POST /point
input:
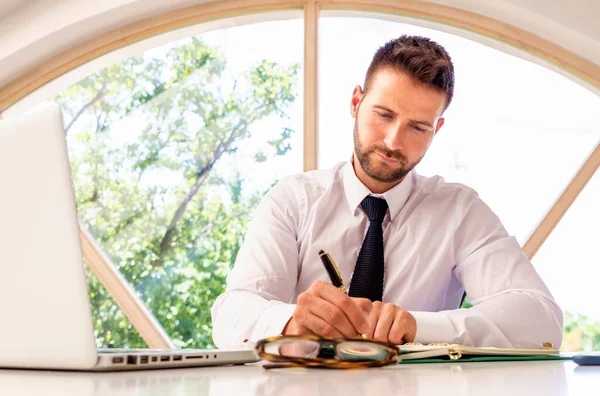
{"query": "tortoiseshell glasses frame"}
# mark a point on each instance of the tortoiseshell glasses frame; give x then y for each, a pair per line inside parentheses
(336, 361)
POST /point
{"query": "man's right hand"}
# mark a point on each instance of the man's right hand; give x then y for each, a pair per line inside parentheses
(326, 311)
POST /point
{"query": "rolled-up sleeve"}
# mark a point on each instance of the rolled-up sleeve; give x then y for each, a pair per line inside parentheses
(512, 307)
(261, 286)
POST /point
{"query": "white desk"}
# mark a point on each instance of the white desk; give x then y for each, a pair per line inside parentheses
(494, 378)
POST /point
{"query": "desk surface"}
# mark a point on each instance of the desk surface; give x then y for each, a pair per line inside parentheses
(493, 378)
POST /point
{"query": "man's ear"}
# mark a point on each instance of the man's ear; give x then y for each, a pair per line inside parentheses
(357, 96)
(440, 122)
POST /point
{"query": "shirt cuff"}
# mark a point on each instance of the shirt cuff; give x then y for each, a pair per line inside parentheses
(273, 320)
(433, 327)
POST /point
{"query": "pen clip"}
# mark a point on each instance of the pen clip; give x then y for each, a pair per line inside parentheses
(334, 265)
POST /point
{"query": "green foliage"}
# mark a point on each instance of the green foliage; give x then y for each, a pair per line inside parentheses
(466, 303)
(146, 137)
(112, 328)
(580, 333)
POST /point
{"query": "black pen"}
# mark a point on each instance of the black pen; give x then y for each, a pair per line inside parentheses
(332, 270)
(335, 275)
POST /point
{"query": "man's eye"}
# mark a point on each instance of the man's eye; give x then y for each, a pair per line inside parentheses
(384, 115)
(419, 129)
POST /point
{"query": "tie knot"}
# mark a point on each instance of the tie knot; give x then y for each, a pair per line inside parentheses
(375, 208)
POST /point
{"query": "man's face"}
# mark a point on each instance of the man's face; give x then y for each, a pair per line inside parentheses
(394, 125)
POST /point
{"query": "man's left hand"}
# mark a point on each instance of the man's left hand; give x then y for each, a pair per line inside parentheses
(390, 323)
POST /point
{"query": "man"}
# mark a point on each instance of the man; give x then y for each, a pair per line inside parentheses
(407, 246)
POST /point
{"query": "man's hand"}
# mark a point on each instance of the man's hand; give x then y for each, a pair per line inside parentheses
(326, 311)
(390, 323)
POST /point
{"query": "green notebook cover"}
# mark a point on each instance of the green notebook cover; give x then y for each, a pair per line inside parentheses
(479, 358)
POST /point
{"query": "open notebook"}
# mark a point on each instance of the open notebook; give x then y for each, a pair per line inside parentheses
(416, 353)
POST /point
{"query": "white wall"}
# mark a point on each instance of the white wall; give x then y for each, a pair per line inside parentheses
(38, 29)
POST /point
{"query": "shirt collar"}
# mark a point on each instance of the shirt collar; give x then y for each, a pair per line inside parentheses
(356, 191)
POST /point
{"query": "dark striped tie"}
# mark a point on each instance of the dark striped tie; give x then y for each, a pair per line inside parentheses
(367, 280)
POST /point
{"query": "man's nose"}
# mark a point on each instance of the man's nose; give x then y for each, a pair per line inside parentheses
(394, 138)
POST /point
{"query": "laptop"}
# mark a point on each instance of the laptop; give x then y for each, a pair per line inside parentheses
(45, 315)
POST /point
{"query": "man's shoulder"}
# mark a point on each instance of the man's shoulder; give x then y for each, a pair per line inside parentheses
(446, 200)
(436, 186)
(298, 193)
(315, 181)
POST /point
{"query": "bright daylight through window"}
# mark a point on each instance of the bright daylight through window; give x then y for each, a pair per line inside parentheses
(516, 132)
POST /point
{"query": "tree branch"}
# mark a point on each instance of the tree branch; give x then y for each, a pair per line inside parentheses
(165, 243)
(99, 95)
(156, 136)
(95, 194)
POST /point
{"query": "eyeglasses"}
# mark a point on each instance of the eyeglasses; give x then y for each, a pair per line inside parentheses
(317, 352)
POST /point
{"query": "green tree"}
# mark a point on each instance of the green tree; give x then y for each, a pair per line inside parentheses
(466, 303)
(580, 333)
(146, 138)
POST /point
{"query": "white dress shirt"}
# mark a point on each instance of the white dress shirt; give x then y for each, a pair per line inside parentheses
(438, 236)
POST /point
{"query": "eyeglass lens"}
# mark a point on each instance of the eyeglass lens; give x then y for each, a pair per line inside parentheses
(346, 350)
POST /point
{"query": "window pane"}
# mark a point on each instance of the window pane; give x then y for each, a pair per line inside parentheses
(569, 262)
(515, 131)
(171, 151)
(111, 326)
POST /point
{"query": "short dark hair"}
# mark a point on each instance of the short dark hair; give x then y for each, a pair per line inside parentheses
(424, 60)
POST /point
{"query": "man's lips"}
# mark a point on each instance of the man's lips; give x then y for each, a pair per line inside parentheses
(387, 159)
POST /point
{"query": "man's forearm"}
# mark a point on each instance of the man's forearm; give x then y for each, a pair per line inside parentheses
(241, 318)
(516, 319)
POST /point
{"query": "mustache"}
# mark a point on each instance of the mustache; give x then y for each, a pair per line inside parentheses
(395, 154)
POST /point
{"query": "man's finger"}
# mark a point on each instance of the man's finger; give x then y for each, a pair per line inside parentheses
(321, 327)
(350, 309)
(293, 327)
(384, 324)
(373, 318)
(332, 315)
(364, 304)
(398, 329)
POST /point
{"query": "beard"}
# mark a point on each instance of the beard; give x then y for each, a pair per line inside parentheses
(384, 173)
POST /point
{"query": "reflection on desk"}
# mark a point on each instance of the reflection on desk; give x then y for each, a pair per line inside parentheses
(491, 378)
(547, 378)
